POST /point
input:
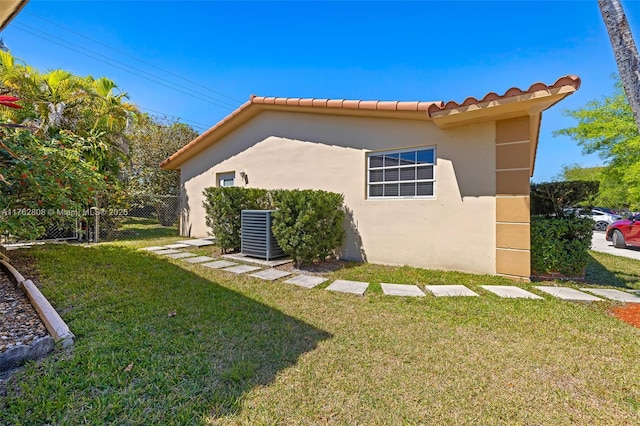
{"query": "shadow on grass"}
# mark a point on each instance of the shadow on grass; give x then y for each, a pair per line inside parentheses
(611, 275)
(194, 347)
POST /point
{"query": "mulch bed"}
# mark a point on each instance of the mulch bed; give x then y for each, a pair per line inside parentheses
(629, 313)
(19, 321)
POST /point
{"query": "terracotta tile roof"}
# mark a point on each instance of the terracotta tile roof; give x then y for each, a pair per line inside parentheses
(269, 101)
(255, 104)
(567, 80)
(346, 103)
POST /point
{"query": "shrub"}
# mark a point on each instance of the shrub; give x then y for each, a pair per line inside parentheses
(560, 244)
(308, 224)
(223, 211)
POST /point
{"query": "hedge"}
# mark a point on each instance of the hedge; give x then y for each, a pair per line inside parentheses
(223, 208)
(307, 224)
(560, 244)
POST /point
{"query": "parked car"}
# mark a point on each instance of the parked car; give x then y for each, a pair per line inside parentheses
(625, 232)
(607, 210)
(601, 219)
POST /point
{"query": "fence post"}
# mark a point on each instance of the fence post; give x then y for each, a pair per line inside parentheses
(97, 220)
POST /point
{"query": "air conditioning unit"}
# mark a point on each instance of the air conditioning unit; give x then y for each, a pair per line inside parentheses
(257, 240)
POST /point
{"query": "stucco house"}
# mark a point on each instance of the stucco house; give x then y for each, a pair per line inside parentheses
(427, 184)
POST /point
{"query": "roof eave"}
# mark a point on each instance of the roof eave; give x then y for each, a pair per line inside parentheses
(256, 105)
(502, 108)
(9, 10)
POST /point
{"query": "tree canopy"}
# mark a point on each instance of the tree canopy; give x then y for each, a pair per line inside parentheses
(73, 139)
(607, 127)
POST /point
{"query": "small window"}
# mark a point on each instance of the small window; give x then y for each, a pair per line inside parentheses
(226, 179)
(401, 174)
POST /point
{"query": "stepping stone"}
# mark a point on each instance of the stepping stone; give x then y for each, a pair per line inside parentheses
(166, 251)
(181, 255)
(344, 286)
(449, 290)
(219, 264)
(271, 274)
(567, 293)
(401, 290)
(618, 295)
(198, 259)
(154, 248)
(177, 246)
(307, 281)
(241, 269)
(510, 292)
(197, 243)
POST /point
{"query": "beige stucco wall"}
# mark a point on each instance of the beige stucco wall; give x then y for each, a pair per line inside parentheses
(456, 230)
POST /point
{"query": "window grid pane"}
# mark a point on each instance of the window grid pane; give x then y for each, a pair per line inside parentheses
(402, 174)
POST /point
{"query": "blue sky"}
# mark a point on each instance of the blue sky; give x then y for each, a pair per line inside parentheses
(215, 54)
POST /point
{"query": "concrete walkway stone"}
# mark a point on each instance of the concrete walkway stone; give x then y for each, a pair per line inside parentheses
(568, 293)
(241, 269)
(218, 264)
(198, 259)
(510, 292)
(177, 246)
(449, 290)
(401, 290)
(166, 251)
(345, 286)
(271, 274)
(618, 295)
(306, 281)
(197, 243)
(153, 248)
(181, 255)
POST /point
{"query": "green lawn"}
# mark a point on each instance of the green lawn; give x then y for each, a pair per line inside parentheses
(244, 351)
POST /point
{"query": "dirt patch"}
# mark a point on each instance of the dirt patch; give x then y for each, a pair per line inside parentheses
(629, 313)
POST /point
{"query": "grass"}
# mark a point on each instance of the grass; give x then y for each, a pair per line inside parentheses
(244, 351)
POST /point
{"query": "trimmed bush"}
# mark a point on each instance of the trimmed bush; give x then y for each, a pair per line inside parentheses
(224, 207)
(560, 245)
(308, 224)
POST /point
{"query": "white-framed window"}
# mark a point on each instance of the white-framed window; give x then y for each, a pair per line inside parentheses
(226, 179)
(408, 173)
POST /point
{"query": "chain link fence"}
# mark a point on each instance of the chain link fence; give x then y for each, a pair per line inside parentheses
(136, 217)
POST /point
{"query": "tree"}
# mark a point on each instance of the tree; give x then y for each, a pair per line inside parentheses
(625, 52)
(153, 140)
(44, 182)
(611, 192)
(72, 152)
(607, 127)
